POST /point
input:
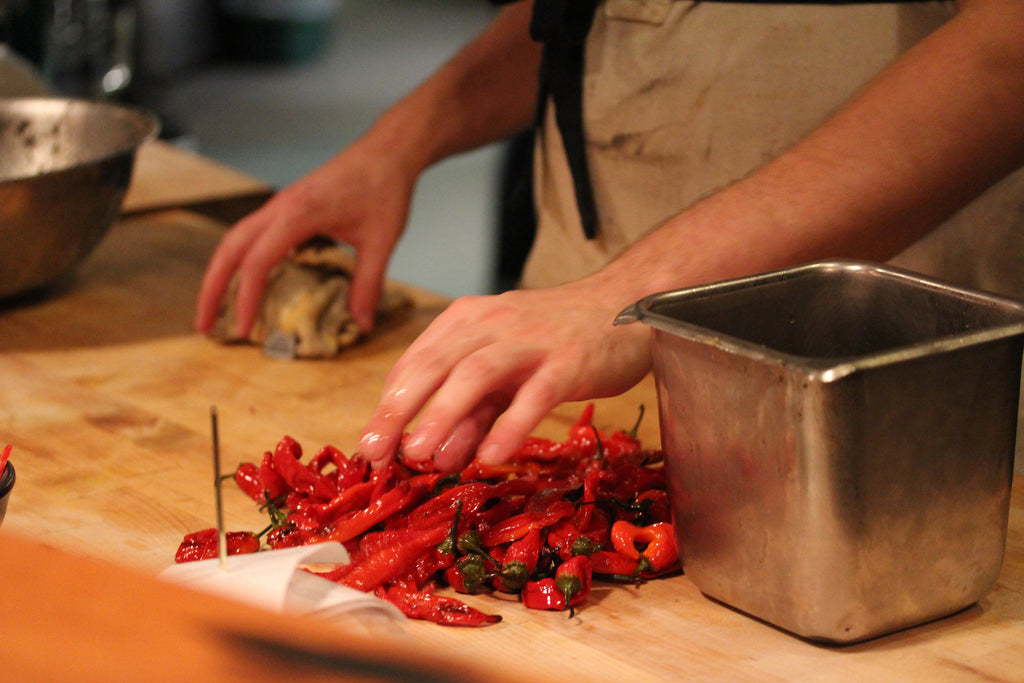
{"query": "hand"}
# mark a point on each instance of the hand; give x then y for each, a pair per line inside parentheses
(493, 367)
(359, 197)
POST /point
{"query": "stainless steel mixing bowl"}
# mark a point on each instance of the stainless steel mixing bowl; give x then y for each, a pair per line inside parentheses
(65, 165)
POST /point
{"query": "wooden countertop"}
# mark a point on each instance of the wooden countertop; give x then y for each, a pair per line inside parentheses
(166, 177)
(106, 399)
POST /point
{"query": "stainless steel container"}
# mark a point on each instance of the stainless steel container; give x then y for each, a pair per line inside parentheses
(839, 439)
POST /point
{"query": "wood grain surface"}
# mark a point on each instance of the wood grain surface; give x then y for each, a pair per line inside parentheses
(106, 398)
(166, 177)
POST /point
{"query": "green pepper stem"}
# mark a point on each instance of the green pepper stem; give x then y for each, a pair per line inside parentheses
(636, 426)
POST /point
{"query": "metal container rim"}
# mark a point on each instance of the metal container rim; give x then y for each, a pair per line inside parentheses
(815, 368)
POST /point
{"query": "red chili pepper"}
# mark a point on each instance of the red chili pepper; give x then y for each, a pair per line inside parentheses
(298, 476)
(635, 479)
(352, 472)
(468, 575)
(542, 594)
(375, 541)
(287, 536)
(583, 436)
(519, 562)
(385, 565)
(357, 496)
(442, 506)
(611, 564)
(498, 512)
(518, 526)
(573, 578)
(561, 536)
(656, 543)
(567, 492)
(623, 445)
(247, 476)
(619, 445)
(536, 448)
(272, 483)
(592, 485)
(327, 455)
(473, 496)
(439, 609)
(429, 563)
(347, 528)
(204, 545)
(654, 505)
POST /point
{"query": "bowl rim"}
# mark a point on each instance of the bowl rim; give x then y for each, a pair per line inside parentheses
(7, 478)
(148, 124)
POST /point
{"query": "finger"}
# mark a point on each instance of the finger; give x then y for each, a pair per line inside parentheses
(397, 407)
(226, 258)
(269, 249)
(531, 404)
(459, 448)
(367, 284)
(415, 377)
(493, 370)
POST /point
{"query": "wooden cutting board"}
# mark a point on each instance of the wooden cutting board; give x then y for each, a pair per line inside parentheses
(106, 396)
(109, 389)
(166, 176)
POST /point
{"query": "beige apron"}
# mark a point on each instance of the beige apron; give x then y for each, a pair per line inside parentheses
(682, 98)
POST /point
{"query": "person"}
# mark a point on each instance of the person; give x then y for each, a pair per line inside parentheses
(720, 139)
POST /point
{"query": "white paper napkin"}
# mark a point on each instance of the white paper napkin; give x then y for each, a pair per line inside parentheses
(272, 580)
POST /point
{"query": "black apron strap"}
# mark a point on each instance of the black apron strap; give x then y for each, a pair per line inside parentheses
(562, 26)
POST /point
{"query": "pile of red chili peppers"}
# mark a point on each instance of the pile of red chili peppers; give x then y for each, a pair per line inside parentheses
(543, 526)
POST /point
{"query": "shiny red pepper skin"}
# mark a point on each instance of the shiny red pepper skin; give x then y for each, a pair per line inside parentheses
(247, 477)
(347, 528)
(390, 562)
(519, 562)
(272, 483)
(468, 575)
(546, 513)
(439, 609)
(287, 536)
(656, 543)
(542, 594)
(574, 578)
(299, 477)
(610, 564)
(355, 496)
(204, 545)
(519, 525)
(654, 504)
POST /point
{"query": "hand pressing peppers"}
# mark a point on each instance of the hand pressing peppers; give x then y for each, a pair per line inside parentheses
(541, 526)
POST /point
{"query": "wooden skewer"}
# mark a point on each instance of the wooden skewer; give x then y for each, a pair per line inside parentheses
(222, 542)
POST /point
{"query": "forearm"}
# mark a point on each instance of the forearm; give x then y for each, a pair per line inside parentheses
(485, 93)
(923, 139)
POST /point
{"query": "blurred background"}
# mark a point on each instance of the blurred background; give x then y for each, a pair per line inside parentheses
(275, 87)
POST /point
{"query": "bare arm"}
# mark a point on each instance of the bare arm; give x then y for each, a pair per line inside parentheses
(361, 196)
(926, 136)
(485, 93)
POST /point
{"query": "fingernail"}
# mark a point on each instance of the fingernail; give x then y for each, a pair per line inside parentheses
(414, 445)
(489, 454)
(372, 445)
